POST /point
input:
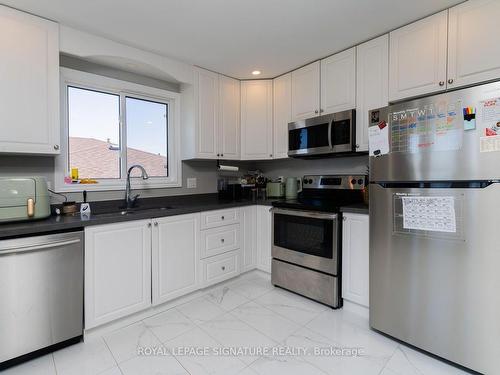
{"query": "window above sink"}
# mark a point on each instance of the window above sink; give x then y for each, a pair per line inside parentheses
(109, 125)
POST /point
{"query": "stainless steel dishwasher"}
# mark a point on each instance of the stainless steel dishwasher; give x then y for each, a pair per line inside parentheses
(41, 294)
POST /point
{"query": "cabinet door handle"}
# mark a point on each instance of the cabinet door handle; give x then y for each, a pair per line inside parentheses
(357, 146)
(156, 223)
(56, 147)
(149, 225)
(441, 83)
(223, 268)
(222, 240)
(450, 81)
(270, 155)
(321, 110)
(222, 217)
(316, 111)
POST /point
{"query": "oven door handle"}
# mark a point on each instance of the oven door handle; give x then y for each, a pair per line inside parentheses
(311, 214)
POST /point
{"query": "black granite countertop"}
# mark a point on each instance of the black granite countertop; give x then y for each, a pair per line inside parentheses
(110, 212)
(358, 208)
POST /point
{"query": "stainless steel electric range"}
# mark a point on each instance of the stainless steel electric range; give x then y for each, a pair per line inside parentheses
(306, 245)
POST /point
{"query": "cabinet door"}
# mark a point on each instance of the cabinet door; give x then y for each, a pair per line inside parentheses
(355, 259)
(256, 120)
(248, 237)
(417, 60)
(229, 116)
(264, 235)
(282, 114)
(372, 84)
(305, 91)
(117, 271)
(338, 82)
(29, 93)
(175, 256)
(473, 49)
(207, 113)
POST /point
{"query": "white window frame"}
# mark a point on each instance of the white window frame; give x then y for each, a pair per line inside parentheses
(75, 78)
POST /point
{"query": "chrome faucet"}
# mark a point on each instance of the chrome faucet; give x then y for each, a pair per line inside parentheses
(131, 201)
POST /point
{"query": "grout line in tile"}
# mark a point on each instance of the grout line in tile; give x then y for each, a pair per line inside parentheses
(53, 362)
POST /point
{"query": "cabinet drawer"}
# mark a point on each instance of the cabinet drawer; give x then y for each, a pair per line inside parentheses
(219, 240)
(218, 218)
(220, 267)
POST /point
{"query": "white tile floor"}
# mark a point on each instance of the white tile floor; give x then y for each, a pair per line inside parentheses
(244, 312)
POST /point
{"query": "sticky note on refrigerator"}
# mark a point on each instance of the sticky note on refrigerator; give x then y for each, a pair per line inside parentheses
(469, 118)
(378, 139)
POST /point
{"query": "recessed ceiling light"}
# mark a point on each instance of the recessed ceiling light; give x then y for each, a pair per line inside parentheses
(256, 72)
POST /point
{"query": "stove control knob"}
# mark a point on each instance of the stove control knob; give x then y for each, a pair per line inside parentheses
(305, 181)
(353, 181)
(310, 181)
(360, 181)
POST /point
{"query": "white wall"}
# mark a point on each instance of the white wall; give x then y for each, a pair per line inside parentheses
(300, 167)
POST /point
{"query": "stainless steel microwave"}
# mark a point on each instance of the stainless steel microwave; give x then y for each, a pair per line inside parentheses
(322, 135)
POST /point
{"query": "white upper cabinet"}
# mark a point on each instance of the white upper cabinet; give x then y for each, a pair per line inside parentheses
(211, 117)
(29, 92)
(256, 119)
(338, 82)
(175, 256)
(282, 114)
(372, 84)
(306, 91)
(207, 113)
(417, 60)
(473, 47)
(229, 118)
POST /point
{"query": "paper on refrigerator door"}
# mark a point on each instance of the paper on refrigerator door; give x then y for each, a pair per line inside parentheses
(429, 213)
(378, 139)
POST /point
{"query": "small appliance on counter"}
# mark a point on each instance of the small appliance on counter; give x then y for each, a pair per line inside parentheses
(275, 189)
(293, 187)
(23, 198)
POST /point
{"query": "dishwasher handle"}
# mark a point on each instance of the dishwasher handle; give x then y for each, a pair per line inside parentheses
(42, 246)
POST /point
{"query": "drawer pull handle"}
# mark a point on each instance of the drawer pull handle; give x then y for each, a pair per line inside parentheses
(223, 268)
(222, 240)
(222, 217)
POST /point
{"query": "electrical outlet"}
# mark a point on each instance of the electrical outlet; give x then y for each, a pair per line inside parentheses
(191, 183)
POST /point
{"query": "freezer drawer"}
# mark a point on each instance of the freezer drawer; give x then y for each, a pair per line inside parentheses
(41, 292)
(438, 290)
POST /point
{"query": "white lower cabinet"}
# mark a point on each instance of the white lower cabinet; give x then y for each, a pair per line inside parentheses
(248, 237)
(220, 267)
(264, 238)
(133, 265)
(117, 271)
(355, 258)
(219, 240)
(175, 256)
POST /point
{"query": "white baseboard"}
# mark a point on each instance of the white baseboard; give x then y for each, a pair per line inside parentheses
(360, 310)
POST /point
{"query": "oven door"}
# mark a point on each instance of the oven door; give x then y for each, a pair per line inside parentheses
(306, 238)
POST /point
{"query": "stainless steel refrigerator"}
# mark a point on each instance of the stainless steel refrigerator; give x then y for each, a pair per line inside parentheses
(435, 225)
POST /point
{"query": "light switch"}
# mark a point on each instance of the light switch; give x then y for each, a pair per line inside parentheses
(191, 183)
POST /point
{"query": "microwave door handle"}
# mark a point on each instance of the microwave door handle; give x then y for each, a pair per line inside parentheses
(330, 126)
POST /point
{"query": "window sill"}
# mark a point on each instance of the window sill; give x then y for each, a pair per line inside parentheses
(117, 186)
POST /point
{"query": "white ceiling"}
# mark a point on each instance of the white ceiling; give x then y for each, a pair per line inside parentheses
(235, 37)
